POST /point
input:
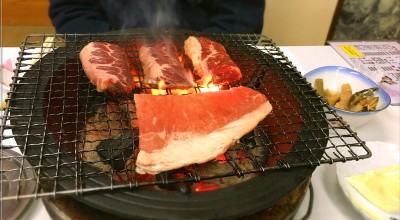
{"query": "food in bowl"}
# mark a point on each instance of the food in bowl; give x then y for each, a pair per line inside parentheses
(361, 101)
(364, 100)
(333, 77)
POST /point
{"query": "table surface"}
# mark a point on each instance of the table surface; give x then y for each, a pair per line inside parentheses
(329, 200)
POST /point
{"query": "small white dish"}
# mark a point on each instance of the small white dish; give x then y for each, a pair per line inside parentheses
(383, 155)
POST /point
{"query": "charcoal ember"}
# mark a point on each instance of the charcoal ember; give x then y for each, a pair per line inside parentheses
(117, 150)
(109, 136)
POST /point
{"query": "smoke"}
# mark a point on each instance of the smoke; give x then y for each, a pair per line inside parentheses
(150, 13)
(165, 15)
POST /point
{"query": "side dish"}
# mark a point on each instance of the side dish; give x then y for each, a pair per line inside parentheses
(361, 101)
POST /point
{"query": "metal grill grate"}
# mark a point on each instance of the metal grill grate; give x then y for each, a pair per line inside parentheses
(51, 103)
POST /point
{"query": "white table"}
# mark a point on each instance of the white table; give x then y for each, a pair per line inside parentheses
(329, 200)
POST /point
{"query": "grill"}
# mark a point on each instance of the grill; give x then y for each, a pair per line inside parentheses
(51, 101)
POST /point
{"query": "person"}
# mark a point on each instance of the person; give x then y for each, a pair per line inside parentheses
(212, 16)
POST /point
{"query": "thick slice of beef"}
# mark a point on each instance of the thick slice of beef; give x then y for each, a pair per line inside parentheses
(211, 61)
(175, 131)
(160, 62)
(107, 67)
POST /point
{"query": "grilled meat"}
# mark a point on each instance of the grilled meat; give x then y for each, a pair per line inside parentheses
(107, 67)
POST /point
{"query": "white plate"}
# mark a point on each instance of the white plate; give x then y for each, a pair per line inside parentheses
(383, 155)
(18, 178)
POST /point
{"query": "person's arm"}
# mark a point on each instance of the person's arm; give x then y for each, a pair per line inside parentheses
(75, 16)
(235, 16)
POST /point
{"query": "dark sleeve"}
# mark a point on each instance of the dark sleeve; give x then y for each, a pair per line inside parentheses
(78, 16)
(235, 16)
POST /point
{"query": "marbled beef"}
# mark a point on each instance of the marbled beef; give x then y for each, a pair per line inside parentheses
(160, 62)
(175, 131)
(211, 61)
(107, 67)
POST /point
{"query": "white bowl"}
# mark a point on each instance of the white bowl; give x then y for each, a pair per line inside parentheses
(335, 76)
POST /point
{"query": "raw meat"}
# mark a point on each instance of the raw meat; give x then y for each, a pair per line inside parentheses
(211, 61)
(107, 67)
(160, 62)
(175, 131)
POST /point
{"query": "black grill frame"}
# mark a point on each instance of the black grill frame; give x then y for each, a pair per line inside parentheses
(318, 140)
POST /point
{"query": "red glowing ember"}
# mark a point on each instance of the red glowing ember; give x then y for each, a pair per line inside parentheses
(206, 186)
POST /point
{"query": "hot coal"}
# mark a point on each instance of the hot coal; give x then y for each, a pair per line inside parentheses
(118, 149)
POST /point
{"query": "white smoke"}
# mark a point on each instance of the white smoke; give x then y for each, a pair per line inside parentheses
(155, 13)
(165, 15)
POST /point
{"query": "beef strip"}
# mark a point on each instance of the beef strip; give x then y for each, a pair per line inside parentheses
(211, 62)
(107, 67)
(160, 62)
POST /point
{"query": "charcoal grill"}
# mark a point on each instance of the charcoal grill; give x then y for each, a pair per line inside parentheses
(51, 101)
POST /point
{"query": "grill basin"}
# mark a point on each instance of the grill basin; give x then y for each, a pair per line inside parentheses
(51, 100)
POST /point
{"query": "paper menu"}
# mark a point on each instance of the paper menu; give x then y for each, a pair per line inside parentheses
(378, 60)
